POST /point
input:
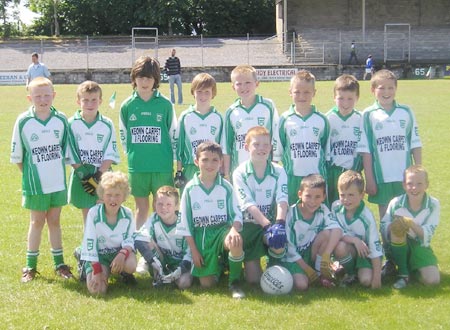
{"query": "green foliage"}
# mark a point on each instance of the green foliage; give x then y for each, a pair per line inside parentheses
(51, 303)
(111, 17)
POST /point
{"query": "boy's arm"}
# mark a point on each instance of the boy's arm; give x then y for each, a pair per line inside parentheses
(361, 247)
(376, 273)
(20, 166)
(226, 166)
(417, 155)
(197, 258)
(371, 185)
(123, 129)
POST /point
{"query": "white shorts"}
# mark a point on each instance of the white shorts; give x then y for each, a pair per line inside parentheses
(368, 70)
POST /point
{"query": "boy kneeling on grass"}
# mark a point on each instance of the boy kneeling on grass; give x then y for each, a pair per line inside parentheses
(108, 245)
(408, 226)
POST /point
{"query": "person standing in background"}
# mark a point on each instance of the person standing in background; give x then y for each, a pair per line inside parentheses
(36, 69)
(173, 69)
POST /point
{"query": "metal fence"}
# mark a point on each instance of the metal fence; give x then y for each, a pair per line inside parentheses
(90, 53)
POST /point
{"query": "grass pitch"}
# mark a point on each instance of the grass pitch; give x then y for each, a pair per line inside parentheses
(52, 303)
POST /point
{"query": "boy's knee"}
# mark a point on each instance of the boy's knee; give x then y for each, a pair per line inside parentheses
(185, 281)
(431, 278)
(301, 282)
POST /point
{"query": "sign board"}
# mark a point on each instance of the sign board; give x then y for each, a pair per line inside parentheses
(13, 78)
(275, 74)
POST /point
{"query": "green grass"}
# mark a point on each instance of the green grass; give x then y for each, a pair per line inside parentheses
(51, 303)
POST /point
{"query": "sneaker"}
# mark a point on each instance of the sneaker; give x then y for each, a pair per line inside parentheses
(388, 269)
(142, 267)
(401, 283)
(64, 271)
(236, 291)
(28, 274)
(128, 278)
(348, 280)
(80, 265)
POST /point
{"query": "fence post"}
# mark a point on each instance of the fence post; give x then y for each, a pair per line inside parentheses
(87, 53)
(292, 52)
(201, 42)
(248, 48)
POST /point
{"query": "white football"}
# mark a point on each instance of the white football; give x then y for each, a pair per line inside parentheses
(276, 280)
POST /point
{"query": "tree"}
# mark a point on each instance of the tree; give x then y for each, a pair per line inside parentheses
(6, 25)
(108, 17)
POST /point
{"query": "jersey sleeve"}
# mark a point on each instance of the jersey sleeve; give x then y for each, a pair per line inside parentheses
(143, 234)
(123, 122)
(415, 141)
(234, 211)
(279, 140)
(292, 254)
(363, 143)
(373, 238)
(185, 221)
(243, 192)
(329, 220)
(180, 136)
(111, 152)
(173, 132)
(89, 245)
(430, 224)
(128, 240)
(16, 156)
(229, 134)
(282, 187)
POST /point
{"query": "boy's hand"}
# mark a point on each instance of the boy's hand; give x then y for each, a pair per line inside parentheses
(276, 235)
(325, 267)
(197, 258)
(179, 180)
(398, 227)
(90, 182)
(312, 274)
(118, 263)
(361, 248)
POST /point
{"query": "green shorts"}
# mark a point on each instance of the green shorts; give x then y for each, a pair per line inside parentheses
(294, 268)
(363, 263)
(293, 187)
(142, 184)
(333, 173)
(210, 244)
(77, 196)
(104, 259)
(252, 235)
(45, 202)
(385, 192)
(420, 256)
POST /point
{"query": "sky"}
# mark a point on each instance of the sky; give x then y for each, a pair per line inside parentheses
(26, 15)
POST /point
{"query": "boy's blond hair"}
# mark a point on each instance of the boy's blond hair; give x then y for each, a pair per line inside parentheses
(313, 181)
(39, 82)
(168, 191)
(416, 169)
(204, 81)
(115, 179)
(256, 131)
(303, 75)
(146, 66)
(349, 178)
(346, 82)
(209, 146)
(90, 87)
(243, 69)
(382, 75)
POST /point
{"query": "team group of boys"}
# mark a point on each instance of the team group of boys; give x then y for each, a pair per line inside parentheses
(238, 204)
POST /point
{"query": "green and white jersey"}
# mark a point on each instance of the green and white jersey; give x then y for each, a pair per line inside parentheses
(147, 133)
(301, 232)
(345, 133)
(172, 245)
(264, 193)
(43, 147)
(195, 128)
(362, 226)
(202, 208)
(239, 119)
(389, 136)
(96, 141)
(302, 142)
(101, 238)
(427, 217)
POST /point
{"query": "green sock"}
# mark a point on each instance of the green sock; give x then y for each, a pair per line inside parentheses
(58, 258)
(400, 255)
(32, 258)
(235, 265)
(349, 264)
